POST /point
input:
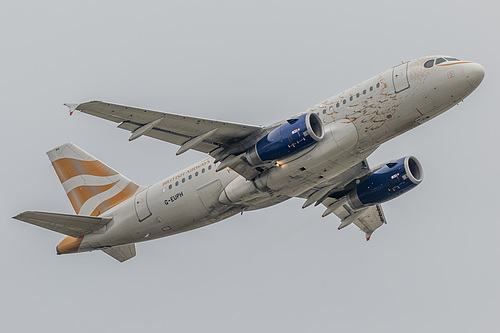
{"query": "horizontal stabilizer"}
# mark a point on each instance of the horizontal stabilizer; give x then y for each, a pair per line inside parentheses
(67, 224)
(121, 253)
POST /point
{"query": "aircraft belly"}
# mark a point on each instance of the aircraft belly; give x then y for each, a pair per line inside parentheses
(192, 204)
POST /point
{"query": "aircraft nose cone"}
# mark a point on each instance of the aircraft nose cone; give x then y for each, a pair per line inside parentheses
(474, 73)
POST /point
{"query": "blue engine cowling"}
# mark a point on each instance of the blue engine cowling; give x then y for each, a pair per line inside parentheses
(387, 183)
(289, 139)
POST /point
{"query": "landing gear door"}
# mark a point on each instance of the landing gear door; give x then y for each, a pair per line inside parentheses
(400, 77)
(141, 205)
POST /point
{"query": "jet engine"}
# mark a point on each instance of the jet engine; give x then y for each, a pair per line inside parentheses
(292, 137)
(387, 183)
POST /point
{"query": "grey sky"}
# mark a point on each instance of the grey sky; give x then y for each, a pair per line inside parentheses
(434, 267)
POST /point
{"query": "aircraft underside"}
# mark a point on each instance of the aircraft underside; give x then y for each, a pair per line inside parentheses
(318, 155)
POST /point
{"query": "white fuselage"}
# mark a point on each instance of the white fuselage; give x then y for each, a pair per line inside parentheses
(356, 122)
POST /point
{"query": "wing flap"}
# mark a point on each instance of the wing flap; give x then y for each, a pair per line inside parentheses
(371, 219)
(71, 225)
(121, 252)
(367, 220)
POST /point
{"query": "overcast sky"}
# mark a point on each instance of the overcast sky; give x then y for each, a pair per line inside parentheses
(434, 267)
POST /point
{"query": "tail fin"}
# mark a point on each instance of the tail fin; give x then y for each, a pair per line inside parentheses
(92, 187)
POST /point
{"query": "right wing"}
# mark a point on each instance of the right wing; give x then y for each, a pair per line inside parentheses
(71, 225)
(333, 196)
(367, 220)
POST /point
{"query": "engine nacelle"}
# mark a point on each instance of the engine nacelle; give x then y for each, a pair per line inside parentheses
(289, 139)
(387, 183)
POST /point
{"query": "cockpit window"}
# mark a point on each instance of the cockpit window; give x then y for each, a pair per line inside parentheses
(452, 59)
(429, 63)
(439, 60)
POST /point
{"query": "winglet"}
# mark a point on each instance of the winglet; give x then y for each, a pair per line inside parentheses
(72, 107)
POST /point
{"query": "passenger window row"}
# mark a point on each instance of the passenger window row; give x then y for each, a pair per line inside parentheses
(351, 98)
(196, 174)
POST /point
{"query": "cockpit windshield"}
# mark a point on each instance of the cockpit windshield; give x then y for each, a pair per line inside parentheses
(432, 62)
(429, 63)
(439, 60)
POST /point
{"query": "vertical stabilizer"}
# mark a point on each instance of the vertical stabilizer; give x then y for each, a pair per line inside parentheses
(92, 187)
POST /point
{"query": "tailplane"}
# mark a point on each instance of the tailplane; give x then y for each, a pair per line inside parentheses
(92, 187)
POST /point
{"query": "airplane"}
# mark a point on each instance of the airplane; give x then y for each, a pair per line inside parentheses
(318, 155)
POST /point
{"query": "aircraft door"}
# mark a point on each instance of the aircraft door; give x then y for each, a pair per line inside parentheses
(400, 77)
(141, 205)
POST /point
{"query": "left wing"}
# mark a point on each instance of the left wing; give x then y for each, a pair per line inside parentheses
(225, 141)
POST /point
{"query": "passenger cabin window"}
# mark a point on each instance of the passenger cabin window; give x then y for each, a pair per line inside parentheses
(439, 60)
(429, 63)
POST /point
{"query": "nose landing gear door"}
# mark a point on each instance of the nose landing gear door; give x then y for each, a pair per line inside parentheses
(400, 78)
